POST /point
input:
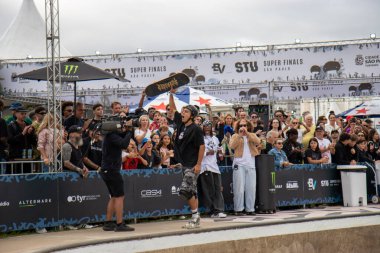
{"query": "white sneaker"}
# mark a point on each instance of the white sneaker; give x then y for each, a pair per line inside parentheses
(41, 230)
(70, 227)
(193, 223)
(87, 226)
(219, 215)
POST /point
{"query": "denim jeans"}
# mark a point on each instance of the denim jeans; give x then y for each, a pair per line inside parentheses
(244, 187)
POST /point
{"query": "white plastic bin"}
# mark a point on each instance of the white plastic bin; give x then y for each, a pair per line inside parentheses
(378, 176)
(354, 184)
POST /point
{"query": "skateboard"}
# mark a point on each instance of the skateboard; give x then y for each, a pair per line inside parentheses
(165, 85)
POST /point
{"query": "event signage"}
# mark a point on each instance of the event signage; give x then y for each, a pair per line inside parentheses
(293, 73)
(49, 200)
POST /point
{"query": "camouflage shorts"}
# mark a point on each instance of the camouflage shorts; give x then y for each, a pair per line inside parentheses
(189, 181)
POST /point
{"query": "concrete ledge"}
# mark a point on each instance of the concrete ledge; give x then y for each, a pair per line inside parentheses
(350, 240)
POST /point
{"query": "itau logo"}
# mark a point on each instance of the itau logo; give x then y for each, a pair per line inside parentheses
(359, 60)
(175, 190)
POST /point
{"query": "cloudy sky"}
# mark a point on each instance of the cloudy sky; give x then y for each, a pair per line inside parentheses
(121, 26)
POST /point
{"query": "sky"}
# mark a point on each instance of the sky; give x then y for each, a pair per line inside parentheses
(122, 26)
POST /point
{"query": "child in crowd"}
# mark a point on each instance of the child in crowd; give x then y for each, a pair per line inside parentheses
(148, 153)
(155, 125)
(165, 147)
(131, 158)
(313, 154)
(155, 139)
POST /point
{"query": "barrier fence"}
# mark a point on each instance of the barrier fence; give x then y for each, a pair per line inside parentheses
(52, 199)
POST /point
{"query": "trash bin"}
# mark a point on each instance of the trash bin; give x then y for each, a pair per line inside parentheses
(354, 184)
(377, 177)
(266, 184)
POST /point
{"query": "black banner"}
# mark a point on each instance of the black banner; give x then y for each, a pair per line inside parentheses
(81, 200)
(289, 186)
(48, 200)
(28, 202)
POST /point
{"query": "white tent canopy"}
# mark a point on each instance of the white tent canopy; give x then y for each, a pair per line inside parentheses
(26, 36)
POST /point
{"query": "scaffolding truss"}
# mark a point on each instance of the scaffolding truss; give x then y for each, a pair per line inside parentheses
(54, 79)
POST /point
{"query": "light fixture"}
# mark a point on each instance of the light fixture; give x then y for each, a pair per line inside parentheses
(297, 41)
(97, 52)
(139, 50)
(28, 56)
(238, 44)
(372, 36)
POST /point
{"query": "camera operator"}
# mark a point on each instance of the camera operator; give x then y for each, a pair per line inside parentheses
(72, 157)
(113, 143)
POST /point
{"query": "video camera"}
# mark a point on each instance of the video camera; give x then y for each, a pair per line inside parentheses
(116, 123)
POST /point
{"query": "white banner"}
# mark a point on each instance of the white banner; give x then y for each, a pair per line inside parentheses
(331, 71)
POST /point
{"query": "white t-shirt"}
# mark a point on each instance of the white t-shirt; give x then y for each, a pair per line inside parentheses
(300, 135)
(324, 143)
(329, 128)
(138, 131)
(247, 160)
(209, 162)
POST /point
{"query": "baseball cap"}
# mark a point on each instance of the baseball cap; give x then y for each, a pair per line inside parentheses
(74, 129)
(145, 140)
(319, 128)
(228, 129)
(15, 105)
(20, 109)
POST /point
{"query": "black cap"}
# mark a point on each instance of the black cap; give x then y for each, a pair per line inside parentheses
(368, 121)
(21, 109)
(319, 128)
(74, 129)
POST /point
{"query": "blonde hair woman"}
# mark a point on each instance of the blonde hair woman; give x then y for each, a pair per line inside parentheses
(45, 134)
(143, 130)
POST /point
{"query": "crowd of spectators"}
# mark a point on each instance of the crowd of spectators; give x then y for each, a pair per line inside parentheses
(231, 139)
(290, 139)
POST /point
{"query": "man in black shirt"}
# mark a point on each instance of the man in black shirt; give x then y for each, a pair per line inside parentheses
(189, 150)
(77, 118)
(113, 143)
(92, 148)
(292, 148)
(21, 139)
(342, 154)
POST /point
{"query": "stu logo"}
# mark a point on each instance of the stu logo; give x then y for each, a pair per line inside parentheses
(246, 66)
(71, 69)
(217, 68)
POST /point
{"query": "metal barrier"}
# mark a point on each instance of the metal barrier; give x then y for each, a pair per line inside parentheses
(25, 167)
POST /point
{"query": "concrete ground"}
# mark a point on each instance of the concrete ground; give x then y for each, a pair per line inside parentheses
(53, 241)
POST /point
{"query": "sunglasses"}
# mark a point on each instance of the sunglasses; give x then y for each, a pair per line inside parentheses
(242, 125)
(279, 143)
(254, 117)
(294, 122)
(277, 116)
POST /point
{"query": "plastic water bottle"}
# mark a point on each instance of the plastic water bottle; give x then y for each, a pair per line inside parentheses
(30, 152)
(23, 153)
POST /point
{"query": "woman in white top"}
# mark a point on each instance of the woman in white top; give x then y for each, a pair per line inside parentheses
(333, 125)
(45, 143)
(143, 130)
